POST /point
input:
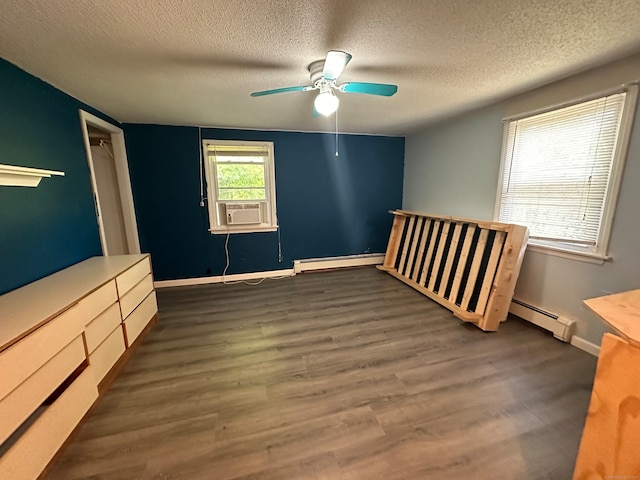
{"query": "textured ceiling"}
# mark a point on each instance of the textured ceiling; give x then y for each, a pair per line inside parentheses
(195, 62)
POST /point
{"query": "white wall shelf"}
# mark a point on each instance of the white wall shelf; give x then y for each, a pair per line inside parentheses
(14, 176)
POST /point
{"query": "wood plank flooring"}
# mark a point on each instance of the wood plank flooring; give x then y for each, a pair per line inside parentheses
(343, 375)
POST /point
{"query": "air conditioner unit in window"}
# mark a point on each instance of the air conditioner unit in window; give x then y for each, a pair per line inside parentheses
(243, 213)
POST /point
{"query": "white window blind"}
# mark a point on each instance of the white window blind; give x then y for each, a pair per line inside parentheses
(556, 170)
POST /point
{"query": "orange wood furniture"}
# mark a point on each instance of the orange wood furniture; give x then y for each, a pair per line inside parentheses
(610, 444)
(468, 266)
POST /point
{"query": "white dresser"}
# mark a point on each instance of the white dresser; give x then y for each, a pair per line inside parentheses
(62, 340)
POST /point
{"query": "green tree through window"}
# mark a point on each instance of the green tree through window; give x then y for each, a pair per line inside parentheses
(241, 181)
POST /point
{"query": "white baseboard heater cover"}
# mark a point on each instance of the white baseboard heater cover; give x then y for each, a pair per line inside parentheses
(562, 328)
(309, 264)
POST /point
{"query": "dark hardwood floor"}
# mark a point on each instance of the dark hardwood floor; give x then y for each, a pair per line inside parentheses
(342, 375)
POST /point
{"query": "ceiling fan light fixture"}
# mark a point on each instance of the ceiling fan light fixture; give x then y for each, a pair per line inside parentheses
(326, 103)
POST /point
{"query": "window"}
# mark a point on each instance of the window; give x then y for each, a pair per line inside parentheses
(240, 186)
(561, 171)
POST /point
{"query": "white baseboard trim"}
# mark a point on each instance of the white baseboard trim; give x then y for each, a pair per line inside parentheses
(310, 264)
(238, 277)
(299, 266)
(585, 345)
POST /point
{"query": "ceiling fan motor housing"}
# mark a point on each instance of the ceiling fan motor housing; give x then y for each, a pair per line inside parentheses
(315, 72)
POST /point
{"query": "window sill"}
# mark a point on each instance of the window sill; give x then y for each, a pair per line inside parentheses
(244, 229)
(557, 251)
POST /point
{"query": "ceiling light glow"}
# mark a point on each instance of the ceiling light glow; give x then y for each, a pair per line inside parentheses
(326, 103)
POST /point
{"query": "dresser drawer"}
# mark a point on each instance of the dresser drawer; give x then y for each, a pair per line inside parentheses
(35, 448)
(102, 326)
(127, 280)
(21, 360)
(107, 354)
(16, 407)
(131, 300)
(139, 319)
(98, 301)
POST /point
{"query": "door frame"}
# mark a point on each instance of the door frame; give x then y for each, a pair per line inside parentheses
(122, 174)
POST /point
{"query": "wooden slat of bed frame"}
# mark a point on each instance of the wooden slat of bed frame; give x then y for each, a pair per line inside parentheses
(424, 240)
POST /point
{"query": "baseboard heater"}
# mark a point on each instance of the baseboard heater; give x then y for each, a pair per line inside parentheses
(310, 264)
(562, 328)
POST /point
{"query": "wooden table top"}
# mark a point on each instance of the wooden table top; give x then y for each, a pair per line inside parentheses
(621, 311)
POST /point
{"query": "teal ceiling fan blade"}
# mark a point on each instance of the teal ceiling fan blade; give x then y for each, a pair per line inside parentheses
(280, 90)
(383, 89)
(334, 64)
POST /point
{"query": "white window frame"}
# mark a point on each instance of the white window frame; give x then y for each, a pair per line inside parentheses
(217, 207)
(599, 252)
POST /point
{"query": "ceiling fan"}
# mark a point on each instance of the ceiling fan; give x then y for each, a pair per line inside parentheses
(324, 75)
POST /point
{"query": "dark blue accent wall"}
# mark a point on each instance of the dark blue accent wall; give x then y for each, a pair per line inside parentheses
(327, 206)
(53, 226)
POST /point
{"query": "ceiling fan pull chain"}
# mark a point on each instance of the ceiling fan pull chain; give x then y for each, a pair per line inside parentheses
(337, 154)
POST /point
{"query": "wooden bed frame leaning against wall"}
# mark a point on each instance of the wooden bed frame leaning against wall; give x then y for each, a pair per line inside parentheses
(468, 266)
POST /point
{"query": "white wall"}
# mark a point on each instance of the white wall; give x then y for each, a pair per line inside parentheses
(452, 169)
